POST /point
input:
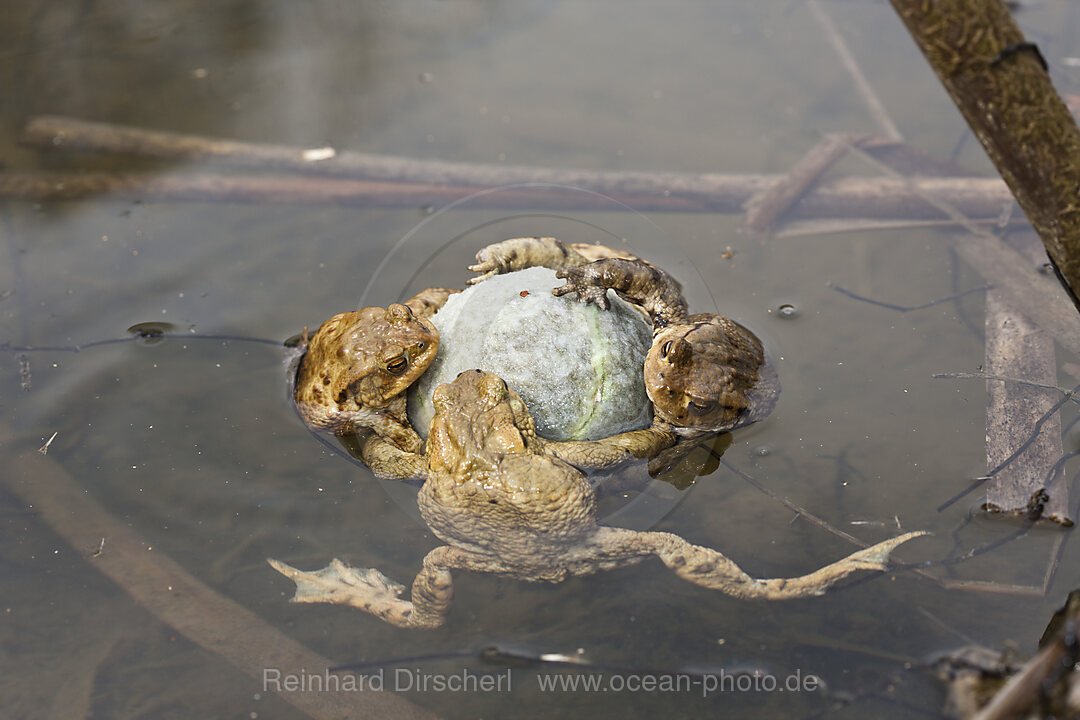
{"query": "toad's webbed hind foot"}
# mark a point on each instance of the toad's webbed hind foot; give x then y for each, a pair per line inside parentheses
(340, 584)
(369, 590)
(709, 568)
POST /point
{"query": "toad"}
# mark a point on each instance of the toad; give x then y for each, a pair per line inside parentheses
(504, 504)
(704, 373)
(358, 365)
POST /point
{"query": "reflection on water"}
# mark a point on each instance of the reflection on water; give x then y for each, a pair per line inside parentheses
(193, 443)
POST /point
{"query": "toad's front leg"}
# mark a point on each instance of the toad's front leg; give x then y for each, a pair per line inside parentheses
(614, 450)
(635, 280)
(369, 590)
(388, 461)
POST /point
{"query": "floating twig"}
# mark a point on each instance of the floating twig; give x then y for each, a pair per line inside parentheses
(44, 449)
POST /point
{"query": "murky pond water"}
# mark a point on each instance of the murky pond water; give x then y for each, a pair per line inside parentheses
(191, 443)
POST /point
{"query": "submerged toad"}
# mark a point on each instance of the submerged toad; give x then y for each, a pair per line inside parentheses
(504, 504)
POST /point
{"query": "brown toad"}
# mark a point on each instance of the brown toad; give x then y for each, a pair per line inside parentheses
(358, 365)
(704, 373)
(505, 505)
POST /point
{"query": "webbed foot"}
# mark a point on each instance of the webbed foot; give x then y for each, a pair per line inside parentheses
(709, 568)
(369, 590)
(876, 557)
(340, 584)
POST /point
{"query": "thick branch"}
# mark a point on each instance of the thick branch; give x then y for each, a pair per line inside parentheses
(1002, 88)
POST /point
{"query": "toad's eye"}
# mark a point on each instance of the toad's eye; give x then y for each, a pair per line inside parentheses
(665, 349)
(398, 365)
(421, 345)
(699, 408)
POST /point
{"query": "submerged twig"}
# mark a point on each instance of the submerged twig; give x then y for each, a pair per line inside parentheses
(853, 197)
(765, 207)
(1035, 429)
(906, 308)
(8, 347)
(799, 511)
(1038, 296)
(366, 179)
(873, 103)
(1004, 378)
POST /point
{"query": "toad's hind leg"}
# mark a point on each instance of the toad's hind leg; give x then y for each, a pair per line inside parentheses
(428, 302)
(369, 590)
(708, 568)
(524, 252)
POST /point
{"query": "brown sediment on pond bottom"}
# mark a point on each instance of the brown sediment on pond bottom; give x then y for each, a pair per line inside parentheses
(171, 594)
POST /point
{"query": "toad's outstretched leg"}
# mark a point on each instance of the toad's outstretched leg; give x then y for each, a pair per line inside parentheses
(708, 568)
(369, 590)
(526, 252)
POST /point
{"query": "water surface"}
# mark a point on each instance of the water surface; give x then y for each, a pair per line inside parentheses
(192, 443)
